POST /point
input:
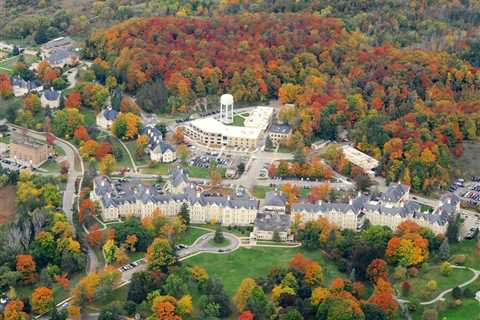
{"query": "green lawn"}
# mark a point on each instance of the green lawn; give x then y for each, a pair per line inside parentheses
(58, 292)
(51, 166)
(131, 147)
(469, 249)
(119, 294)
(134, 256)
(191, 235)
(419, 289)
(202, 173)
(233, 267)
(239, 231)
(468, 310)
(260, 191)
(159, 168)
(10, 62)
(125, 158)
(59, 151)
(238, 121)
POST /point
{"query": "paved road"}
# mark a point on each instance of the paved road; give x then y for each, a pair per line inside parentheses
(201, 245)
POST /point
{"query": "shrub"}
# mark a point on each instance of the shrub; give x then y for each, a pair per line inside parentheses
(430, 314)
(459, 259)
(413, 271)
(457, 293)
(440, 306)
(400, 273)
(468, 293)
(406, 286)
(413, 305)
(432, 285)
(446, 269)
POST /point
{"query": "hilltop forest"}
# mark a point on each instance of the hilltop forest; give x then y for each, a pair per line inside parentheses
(410, 108)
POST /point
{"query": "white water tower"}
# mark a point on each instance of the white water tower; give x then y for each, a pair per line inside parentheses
(226, 108)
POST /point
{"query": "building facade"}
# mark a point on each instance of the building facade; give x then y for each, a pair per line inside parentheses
(50, 98)
(28, 151)
(279, 134)
(132, 198)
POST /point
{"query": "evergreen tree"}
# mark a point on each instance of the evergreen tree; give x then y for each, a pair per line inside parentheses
(452, 229)
(185, 214)
(218, 238)
(444, 250)
(268, 143)
(276, 236)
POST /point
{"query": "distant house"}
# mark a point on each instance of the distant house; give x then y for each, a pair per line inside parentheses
(59, 52)
(156, 148)
(22, 87)
(61, 57)
(279, 133)
(28, 151)
(163, 152)
(106, 117)
(50, 98)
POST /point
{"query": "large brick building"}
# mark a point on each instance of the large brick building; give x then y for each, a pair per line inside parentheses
(28, 151)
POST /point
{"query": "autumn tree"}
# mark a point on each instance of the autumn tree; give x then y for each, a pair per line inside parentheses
(6, 90)
(160, 254)
(73, 100)
(377, 269)
(107, 165)
(243, 293)
(27, 266)
(42, 300)
(14, 311)
(319, 192)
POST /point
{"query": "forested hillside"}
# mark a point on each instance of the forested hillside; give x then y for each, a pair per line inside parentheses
(428, 24)
(407, 107)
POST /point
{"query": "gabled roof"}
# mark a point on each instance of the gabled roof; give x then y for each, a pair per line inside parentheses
(162, 147)
(177, 176)
(275, 198)
(272, 222)
(280, 128)
(51, 94)
(110, 114)
(395, 192)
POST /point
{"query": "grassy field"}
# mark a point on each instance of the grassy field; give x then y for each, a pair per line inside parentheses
(7, 205)
(8, 63)
(233, 267)
(131, 147)
(222, 244)
(51, 166)
(160, 169)
(469, 309)
(419, 289)
(134, 256)
(239, 231)
(191, 235)
(202, 173)
(260, 191)
(469, 249)
(90, 117)
(58, 292)
(468, 163)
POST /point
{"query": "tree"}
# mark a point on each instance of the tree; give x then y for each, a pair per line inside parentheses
(130, 242)
(432, 285)
(246, 315)
(377, 269)
(126, 126)
(175, 286)
(66, 121)
(140, 285)
(42, 300)
(183, 153)
(27, 266)
(446, 268)
(140, 145)
(218, 237)
(107, 165)
(276, 236)
(164, 308)
(6, 90)
(160, 254)
(110, 250)
(453, 228)
(259, 304)
(14, 311)
(74, 100)
(319, 192)
(184, 214)
(444, 251)
(153, 96)
(112, 311)
(243, 293)
(373, 312)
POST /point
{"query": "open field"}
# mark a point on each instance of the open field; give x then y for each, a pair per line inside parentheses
(191, 235)
(233, 267)
(159, 168)
(8, 63)
(7, 205)
(260, 191)
(468, 163)
(419, 289)
(51, 166)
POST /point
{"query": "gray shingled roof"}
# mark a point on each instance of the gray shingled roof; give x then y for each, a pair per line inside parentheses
(280, 128)
(51, 94)
(395, 192)
(275, 198)
(272, 222)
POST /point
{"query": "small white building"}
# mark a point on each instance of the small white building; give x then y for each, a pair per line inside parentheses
(163, 152)
(50, 98)
(360, 159)
(106, 117)
(22, 87)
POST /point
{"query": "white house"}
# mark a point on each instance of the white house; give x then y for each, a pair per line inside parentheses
(163, 152)
(106, 117)
(50, 98)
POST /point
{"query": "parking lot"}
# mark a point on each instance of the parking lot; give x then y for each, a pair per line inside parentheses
(469, 191)
(11, 165)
